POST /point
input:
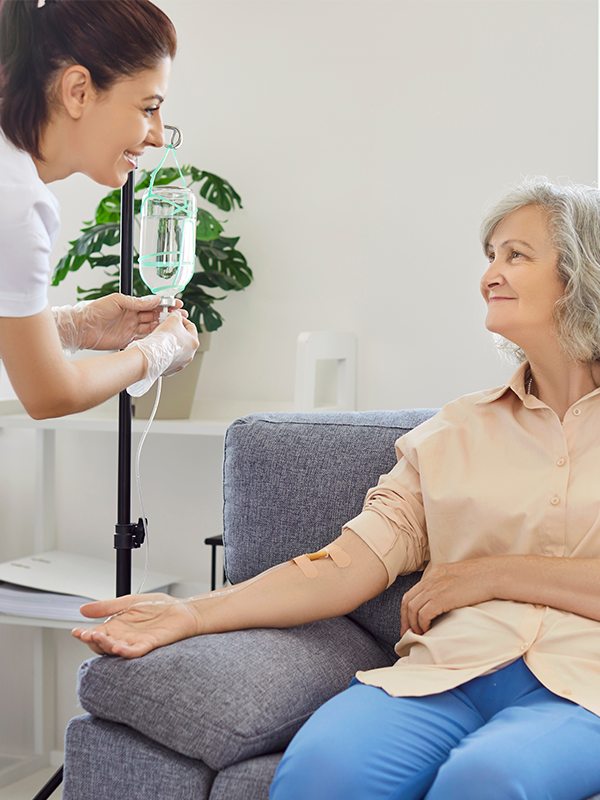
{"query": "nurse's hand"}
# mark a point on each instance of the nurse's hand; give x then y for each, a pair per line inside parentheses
(167, 350)
(110, 323)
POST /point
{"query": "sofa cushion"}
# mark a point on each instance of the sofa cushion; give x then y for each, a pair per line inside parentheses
(227, 697)
(248, 780)
(107, 761)
(291, 481)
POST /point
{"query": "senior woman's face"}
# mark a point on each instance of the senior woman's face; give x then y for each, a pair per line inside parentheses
(521, 284)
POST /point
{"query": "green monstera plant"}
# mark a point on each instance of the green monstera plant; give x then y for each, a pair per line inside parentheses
(219, 265)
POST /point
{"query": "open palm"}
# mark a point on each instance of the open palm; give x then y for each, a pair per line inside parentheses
(140, 623)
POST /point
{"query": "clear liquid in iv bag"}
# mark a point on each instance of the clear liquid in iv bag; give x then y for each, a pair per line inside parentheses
(168, 254)
(168, 241)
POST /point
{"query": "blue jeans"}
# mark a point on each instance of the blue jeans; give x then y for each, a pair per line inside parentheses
(498, 737)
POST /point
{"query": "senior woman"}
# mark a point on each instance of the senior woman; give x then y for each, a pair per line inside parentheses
(496, 694)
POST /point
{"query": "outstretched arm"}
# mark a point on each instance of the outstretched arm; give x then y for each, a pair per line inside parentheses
(49, 385)
(570, 584)
(280, 598)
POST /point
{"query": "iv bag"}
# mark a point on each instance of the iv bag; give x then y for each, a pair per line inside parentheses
(168, 240)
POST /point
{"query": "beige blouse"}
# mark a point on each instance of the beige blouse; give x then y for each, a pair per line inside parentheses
(493, 473)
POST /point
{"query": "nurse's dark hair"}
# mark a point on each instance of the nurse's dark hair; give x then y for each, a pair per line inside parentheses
(113, 39)
(573, 215)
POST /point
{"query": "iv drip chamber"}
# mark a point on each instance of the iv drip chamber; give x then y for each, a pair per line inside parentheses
(167, 240)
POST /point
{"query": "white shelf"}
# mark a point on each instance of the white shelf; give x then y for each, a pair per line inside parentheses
(101, 421)
(207, 419)
(40, 622)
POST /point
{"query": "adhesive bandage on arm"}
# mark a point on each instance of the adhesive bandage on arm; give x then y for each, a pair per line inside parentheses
(333, 551)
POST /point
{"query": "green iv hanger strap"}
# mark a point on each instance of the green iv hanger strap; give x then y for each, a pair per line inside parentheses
(150, 259)
(168, 148)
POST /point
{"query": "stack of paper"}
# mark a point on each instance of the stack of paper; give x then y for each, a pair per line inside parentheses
(53, 585)
(21, 602)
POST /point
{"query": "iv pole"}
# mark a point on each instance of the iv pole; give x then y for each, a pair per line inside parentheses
(128, 535)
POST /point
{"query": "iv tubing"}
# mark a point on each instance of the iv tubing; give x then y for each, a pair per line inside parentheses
(139, 483)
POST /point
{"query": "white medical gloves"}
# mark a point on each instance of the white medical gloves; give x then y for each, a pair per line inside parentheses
(109, 323)
(168, 349)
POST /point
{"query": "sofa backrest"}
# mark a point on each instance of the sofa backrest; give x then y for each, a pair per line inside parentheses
(292, 480)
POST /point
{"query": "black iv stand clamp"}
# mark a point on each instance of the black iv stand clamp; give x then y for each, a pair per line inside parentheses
(128, 536)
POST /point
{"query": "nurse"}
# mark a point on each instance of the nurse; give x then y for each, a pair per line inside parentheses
(81, 87)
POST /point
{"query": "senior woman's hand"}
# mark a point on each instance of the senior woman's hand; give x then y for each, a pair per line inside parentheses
(446, 587)
(137, 625)
(570, 584)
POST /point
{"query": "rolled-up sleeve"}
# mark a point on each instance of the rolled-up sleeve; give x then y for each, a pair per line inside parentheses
(392, 522)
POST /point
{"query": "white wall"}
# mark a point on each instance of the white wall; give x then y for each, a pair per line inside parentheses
(364, 137)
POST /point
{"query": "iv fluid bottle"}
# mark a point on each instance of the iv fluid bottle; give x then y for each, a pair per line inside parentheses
(168, 240)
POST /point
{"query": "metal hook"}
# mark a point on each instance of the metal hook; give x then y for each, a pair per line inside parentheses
(176, 137)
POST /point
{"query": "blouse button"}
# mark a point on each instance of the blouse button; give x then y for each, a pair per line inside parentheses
(576, 412)
(561, 462)
(555, 501)
(567, 691)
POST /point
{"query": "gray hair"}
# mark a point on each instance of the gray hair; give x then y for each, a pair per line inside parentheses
(574, 220)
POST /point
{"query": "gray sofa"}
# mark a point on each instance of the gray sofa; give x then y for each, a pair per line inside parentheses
(209, 718)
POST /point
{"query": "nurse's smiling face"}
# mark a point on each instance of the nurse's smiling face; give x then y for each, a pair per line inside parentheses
(117, 126)
(521, 284)
(102, 134)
